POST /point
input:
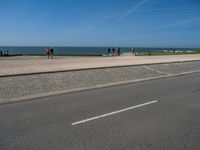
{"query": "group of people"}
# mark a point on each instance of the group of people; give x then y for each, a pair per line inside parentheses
(118, 51)
(114, 51)
(49, 52)
(4, 53)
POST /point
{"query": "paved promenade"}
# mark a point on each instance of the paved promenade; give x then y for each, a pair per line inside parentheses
(39, 64)
(104, 73)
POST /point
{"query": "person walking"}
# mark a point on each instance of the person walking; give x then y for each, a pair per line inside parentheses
(113, 51)
(7, 53)
(4, 53)
(133, 51)
(51, 52)
(48, 52)
(109, 50)
(118, 52)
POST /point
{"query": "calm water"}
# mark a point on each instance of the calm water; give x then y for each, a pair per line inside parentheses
(80, 50)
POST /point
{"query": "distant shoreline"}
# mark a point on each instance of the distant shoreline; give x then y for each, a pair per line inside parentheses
(104, 55)
(83, 51)
(61, 55)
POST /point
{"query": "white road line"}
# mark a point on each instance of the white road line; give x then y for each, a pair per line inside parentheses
(112, 113)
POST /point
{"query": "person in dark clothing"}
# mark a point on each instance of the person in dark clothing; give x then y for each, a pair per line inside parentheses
(113, 51)
(1, 53)
(51, 52)
(133, 51)
(118, 52)
(109, 50)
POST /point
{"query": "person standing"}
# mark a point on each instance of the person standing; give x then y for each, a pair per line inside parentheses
(113, 51)
(118, 52)
(48, 52)
(109, 50)
(7, 53)
(4, 53)
(51, 52)
(133, 51)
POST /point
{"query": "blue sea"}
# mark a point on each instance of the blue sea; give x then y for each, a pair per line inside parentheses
(80, 50)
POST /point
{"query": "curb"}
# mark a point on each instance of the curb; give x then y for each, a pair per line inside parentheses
(43, 95)
(106, 67)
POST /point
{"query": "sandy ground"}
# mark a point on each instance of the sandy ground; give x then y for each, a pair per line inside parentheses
(37, 64)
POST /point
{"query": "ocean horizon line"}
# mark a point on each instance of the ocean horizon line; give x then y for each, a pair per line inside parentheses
(102, 46)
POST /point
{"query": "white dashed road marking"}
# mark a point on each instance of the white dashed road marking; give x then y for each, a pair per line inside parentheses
(113, 113)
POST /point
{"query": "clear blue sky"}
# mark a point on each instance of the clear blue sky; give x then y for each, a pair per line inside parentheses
(140, 23)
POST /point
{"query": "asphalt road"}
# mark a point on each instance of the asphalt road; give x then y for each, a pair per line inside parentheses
(160, 114)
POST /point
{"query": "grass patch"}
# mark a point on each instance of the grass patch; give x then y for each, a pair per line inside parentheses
(164, 53)
(198, 51)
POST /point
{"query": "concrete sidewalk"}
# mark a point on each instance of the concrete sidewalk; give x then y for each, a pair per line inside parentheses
(39, 64)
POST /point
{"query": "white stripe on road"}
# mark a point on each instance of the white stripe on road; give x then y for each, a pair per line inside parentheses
(112, 113)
